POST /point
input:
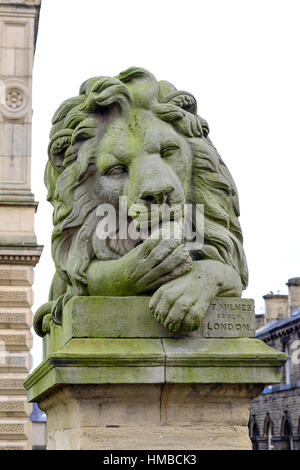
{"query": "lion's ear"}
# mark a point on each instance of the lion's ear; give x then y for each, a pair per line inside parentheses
(58, 146)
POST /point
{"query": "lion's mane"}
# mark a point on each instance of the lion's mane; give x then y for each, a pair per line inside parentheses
(79, 118)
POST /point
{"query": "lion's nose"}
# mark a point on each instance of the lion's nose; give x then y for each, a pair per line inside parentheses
(156, 197)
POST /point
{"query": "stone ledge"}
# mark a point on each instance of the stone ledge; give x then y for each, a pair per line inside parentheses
(20, 254)
(99, 361)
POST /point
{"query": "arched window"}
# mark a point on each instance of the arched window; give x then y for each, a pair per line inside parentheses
(268, 432)
(253, 432)
(286, 432)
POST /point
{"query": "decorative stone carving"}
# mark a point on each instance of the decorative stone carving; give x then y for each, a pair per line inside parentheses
(14, 98)
(12, 384)
(15, 317)
(15, 103)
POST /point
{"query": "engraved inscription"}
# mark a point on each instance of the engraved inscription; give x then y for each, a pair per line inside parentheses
(230, 318)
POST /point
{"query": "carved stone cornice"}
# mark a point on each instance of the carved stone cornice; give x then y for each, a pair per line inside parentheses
(28, 255)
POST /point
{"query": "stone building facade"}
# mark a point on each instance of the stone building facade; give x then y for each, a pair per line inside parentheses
(19, 251)
(275, 414)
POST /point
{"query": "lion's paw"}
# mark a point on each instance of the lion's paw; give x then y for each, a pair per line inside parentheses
(177, 307)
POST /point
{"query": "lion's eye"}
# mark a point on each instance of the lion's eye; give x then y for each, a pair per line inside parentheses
(117, 171)
(168, 151)
(205, 131)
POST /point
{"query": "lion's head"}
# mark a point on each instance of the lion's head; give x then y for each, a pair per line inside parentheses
(138, 137)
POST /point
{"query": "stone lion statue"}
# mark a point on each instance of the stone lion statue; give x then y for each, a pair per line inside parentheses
(140, 139)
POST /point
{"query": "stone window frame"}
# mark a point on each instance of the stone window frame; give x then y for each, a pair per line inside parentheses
(253, 432)
(269, 431)
(286, 421)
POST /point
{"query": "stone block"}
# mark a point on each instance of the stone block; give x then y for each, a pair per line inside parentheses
(16, 340)
(16, 223)
(14, 406)
(15, 317)
(14, 428)
(226, 317)
(13, 296)
(12, 275)
(15, 362)
(162, 416)
(15, 34)
(12, 383)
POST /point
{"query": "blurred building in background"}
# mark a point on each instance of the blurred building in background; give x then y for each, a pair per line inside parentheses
(275, 414)
(19, 251)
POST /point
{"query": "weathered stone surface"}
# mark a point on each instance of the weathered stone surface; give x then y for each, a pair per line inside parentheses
(151, 416)
(125, 317)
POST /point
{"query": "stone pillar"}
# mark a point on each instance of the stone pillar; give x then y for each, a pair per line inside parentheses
(294, 294)
(19, 251)
(113, 378)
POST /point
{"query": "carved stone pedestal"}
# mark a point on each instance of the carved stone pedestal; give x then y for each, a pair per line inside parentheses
(149, 416)
(113, 378)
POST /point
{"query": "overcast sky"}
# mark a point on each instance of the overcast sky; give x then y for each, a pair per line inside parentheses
(240, 59)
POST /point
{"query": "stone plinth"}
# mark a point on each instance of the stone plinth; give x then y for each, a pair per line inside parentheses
(113, 378)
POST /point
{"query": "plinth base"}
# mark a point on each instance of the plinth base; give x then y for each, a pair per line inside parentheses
(149, 416)
(113, 378)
